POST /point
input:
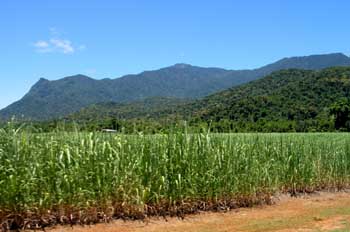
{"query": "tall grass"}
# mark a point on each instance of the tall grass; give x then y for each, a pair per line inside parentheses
(89, 177)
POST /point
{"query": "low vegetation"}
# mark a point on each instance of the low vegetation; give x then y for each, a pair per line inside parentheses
(82, 178)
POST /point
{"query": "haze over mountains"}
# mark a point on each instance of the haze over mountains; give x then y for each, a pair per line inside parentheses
(53, 99)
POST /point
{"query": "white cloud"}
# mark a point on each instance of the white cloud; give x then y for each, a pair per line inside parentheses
(57, 44)
(62, 45)
(41, 44)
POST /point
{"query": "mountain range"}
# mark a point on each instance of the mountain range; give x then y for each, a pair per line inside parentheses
(55, 99)
(286, 100)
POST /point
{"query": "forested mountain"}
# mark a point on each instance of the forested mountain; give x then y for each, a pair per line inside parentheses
(287, 100)
(53, 99)
(149, 108)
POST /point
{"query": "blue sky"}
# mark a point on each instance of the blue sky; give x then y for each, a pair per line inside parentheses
(107, 39)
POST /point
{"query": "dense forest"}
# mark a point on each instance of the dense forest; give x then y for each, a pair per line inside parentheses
(288, 100)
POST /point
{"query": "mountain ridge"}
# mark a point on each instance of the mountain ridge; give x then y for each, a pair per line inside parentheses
(291, 100)
(57, 98)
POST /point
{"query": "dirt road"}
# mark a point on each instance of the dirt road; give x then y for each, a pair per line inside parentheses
(318, 212)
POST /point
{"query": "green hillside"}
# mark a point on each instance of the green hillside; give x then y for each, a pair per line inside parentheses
(287, 100)
(149, 108)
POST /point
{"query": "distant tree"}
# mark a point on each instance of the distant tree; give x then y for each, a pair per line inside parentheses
(341, 112)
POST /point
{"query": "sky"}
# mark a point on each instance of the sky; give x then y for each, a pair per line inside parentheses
(111, 38)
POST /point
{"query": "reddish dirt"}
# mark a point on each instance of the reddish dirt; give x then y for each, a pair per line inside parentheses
(317, 212)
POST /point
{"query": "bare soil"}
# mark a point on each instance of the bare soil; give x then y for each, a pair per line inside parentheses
(316, 212)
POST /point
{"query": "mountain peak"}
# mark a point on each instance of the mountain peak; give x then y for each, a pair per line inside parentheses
(329, 55)
(181, 65)
(78, 77)
(336, 54)
(43, 79)
(312, 62)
